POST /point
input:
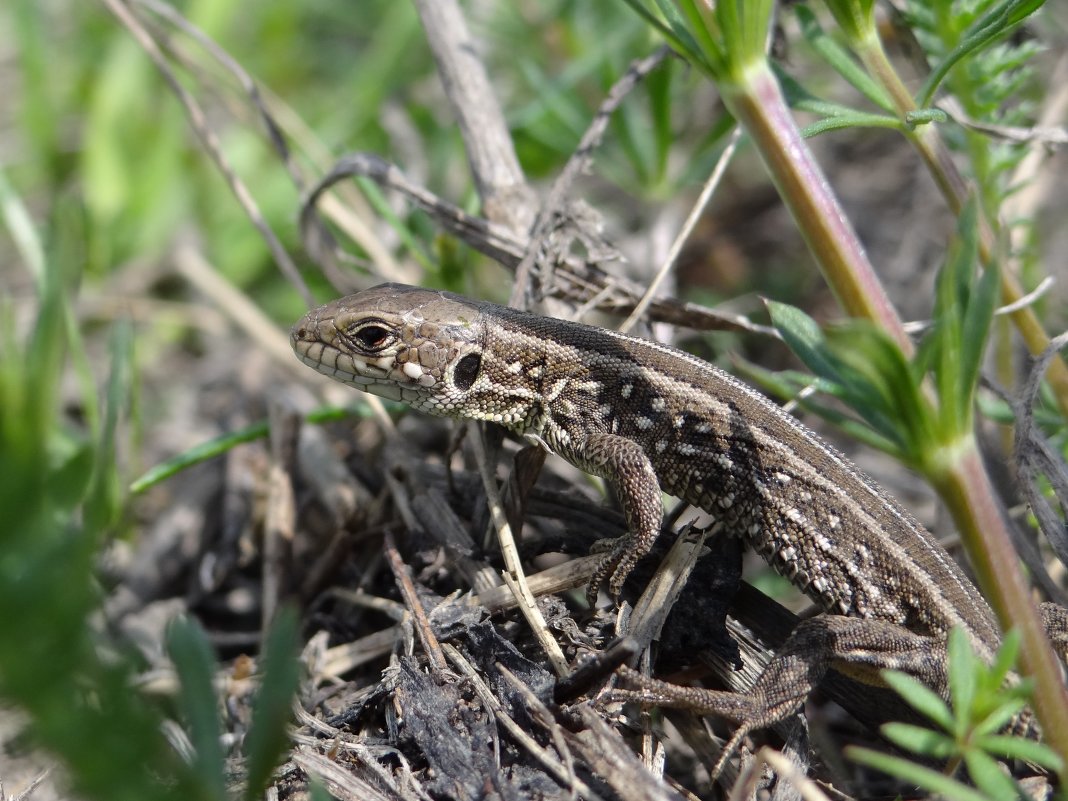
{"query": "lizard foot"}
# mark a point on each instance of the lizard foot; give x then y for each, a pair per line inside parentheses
(751, 711)
(858, 647)
(622, 555)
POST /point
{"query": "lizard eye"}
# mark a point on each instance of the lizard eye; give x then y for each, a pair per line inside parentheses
(371, 337)
(467, 371)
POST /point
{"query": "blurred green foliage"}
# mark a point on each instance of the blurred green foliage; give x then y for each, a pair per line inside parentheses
(966, 731)
(104, 174)
(96, 121)
(101, 172)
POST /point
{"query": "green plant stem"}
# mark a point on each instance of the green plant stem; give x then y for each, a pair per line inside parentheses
(932, 149)
(967, 492)
(758, 104)
(964, 486)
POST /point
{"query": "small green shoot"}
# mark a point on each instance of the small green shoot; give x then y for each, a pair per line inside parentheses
(966, 729)
(861, 366)
(998, 22)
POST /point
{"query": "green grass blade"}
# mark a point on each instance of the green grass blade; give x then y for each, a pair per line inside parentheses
(194, 662)
(102, 503)
(221, 444)
(272, 711)
(199, 453)
(989, 776)
(919, 740)
(23, 231)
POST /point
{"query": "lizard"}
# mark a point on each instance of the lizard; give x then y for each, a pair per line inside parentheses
(650, 419)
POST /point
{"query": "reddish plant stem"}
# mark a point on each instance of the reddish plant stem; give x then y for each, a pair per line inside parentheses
(971, 499)
(759, 106)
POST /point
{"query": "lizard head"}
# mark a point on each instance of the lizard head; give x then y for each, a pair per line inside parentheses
(420, 346)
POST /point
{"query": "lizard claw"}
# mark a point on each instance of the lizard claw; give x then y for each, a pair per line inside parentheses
(614, 568)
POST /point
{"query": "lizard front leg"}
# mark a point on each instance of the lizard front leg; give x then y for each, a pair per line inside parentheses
(623, 462)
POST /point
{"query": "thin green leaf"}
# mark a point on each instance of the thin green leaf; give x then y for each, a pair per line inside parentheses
(1004, 709)
(805, 339)
(997, 22)
(68, 481)
(921, 698)
(950, 301)
(195, 664)
(989, 777)
(23, 231)
(930, 780)
(714, 56)
(923, 116)
(635, 140)
(998, 411)
(725, 22)
(384, 210)
(837, 115)
(787, 384)
(46, 348)
(870, 393)
(840, 59)
(272, 711)
(756, 21)
(960, 675)
(557, 101)
(882, 387)
(658, 90)
(1005, 658)
(850, 119)
(977, 321)
(927, 355)
(35, 60)
(854, 17)
(919, 740)
(1023, 749)
(198, 453)
(671, 27)
(69, 238)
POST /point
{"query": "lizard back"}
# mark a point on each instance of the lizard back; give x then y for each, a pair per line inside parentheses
(725, 448)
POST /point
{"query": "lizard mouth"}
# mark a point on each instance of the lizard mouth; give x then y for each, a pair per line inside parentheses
(342, 366)
(379, 376)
